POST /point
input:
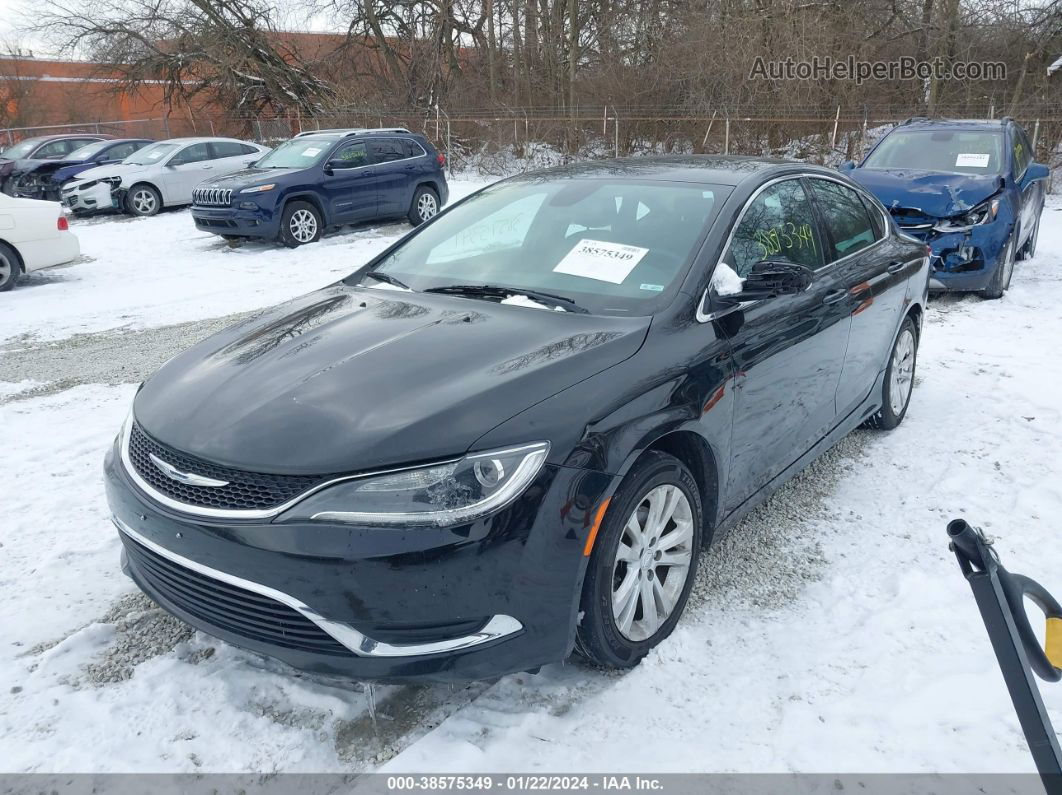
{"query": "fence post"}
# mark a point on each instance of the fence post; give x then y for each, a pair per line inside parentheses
(836, 121)
(726, 140)
(1036, 134)
(449, 150)
(615, 119)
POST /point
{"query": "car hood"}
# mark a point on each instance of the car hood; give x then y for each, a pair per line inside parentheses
(351, 379)
(114, 170)
(934, 193)
(249, 176)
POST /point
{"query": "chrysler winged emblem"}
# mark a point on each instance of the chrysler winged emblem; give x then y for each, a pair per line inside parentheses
(187, 478)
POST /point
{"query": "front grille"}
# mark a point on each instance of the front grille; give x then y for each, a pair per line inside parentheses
(220, 197)
(216, 222)
(245, 491)
(228, 607)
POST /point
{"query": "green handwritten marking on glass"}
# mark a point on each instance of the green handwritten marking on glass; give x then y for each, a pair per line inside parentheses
(787, 237)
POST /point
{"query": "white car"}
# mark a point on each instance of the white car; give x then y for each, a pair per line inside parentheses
(34, 234)
(160, 175)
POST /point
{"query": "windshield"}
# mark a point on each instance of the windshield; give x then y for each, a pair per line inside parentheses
(88, 150)
(149, 155)
(611, 246)
(20, 150)
(951, 151)
(296, 153)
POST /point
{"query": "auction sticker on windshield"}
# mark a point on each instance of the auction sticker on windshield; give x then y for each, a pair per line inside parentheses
(598, 259)
(970, 160)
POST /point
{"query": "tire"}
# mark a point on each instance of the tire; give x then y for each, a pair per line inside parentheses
(612, 639)
(300, 224)
(10, 267)
(143, 200)
(1028, 251)
(899, 379)
(1004, 271)
(424, 207)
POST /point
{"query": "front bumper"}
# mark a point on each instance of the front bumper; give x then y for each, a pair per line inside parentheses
(436, 604)
(235, 221)
(100, 196)
(965, 261)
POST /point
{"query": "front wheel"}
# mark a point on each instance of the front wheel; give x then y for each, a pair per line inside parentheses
(425, 206)
(1004, 270)
(143, 200)
(899, 379)
(300, 224)
(643, 563)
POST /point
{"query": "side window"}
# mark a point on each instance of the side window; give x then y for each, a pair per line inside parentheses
(877, 221)
(778, 223)
(351, 155)
(226, 149)
(54, 149)
(845, 216)
(247, 149)
(195, 153)
(121, 151)
(1022, 152)
(413, 149)
(386, 151)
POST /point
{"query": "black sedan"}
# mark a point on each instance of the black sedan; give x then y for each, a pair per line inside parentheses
(511, 435)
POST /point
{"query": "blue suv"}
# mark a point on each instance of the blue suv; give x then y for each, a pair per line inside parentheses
(969, 189)
(323, 179)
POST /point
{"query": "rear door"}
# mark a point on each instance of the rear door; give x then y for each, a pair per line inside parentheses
(1030, 190)
(789, 350)
(232, 156)
(874, 271)
(394, 173)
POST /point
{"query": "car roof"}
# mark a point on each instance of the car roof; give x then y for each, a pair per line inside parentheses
(64, 136)
(202, 140)
(988, 125)
(344, 132)
(731, 170)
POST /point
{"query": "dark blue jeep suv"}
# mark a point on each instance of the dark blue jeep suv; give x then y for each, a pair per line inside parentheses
(968, 188)
(323, 179)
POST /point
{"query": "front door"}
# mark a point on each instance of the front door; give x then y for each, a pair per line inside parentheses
(184, 171)
(788, 351)
(348, 184)
(394, 170)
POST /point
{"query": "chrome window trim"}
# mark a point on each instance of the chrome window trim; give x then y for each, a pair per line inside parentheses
(223, 513)
(498, 626)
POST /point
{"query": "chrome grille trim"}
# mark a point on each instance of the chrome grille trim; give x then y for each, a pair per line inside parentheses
(218, 197)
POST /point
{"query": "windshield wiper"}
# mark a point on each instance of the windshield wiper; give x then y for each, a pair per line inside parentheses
(388, 279)
(499, 291)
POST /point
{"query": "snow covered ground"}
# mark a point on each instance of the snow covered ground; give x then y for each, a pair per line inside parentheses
(830, 632)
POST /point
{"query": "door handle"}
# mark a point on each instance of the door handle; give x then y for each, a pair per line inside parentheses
(895, 267)
(834, 296)
(207, 168)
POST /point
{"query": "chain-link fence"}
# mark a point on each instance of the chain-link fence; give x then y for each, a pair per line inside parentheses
(498, 141)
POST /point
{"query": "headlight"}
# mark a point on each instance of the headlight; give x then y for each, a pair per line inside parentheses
(983, 213)
(91, 183)
(259, 188)
(440, 495)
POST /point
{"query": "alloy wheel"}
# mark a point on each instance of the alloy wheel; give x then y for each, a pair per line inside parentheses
(7, 269)
(144, 202)
(652, 562)
(303, 226)
(1008, 262)
(427, 206)
(902, 377)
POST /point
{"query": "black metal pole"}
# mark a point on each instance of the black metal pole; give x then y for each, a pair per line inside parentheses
(990, 583)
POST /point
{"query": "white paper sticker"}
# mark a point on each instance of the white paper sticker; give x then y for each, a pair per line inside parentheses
(312, 151)
(155, 155)
(600, 260)
(970, 160)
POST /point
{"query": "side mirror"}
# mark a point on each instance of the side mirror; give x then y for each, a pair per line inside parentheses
(1037, 171)
(847, 165)
(772, 277)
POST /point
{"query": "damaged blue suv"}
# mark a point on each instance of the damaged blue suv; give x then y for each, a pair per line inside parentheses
(323, 179)
(969, 189)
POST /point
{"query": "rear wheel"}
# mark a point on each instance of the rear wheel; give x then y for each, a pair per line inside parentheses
(643, 563)
(10, 268)
(899, 379)
(425, 206)
(1004, 270)
(300, 224)
(143, 200)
